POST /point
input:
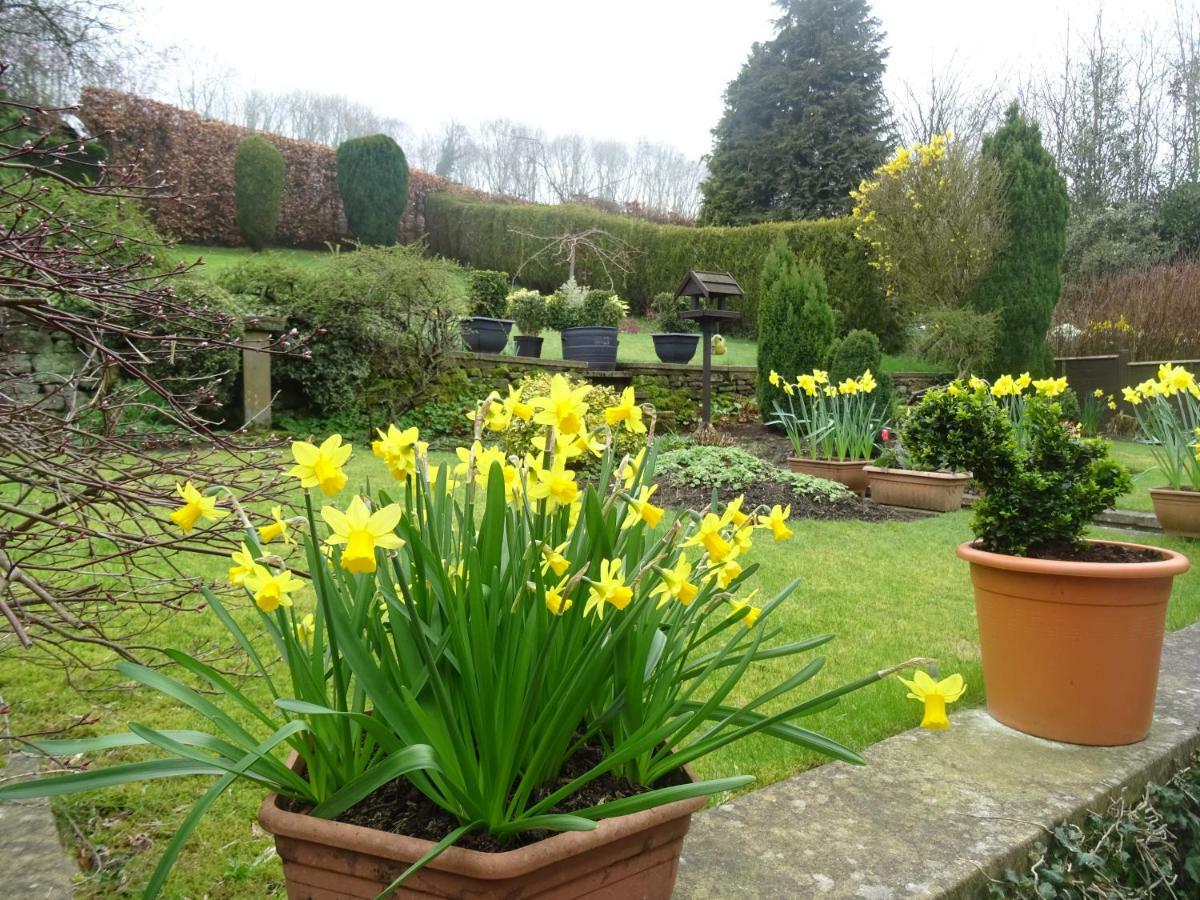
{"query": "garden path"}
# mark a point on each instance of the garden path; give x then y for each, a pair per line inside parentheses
(33, 863)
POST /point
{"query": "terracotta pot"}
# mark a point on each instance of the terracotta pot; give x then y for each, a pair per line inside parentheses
(1178, 511)
(851, 473)
(633, 856)
(938, 491)
(1071, 649)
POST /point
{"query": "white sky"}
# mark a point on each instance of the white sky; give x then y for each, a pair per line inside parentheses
(619, 69)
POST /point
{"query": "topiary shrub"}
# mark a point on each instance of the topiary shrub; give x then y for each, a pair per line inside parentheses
(796, 324)
(528, 309)
(602, 308)
(268, 282)
(564, 308)
(258, 187)
(372, 178)
(488, 292)
(856, 353)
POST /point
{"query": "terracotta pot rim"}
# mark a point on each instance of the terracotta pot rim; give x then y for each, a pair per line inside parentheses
(1176, 492)
(1174, 564)
(831, 462)
(472, 863)
(918, 473)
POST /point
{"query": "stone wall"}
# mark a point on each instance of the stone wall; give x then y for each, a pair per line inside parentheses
(40, 367)
(909, 384)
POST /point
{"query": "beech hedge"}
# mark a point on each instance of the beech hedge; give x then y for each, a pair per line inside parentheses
(495, 235)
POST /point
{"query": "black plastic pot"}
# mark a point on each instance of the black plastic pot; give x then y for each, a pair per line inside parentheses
(529, 345)
(484, 335)
(595, 345)
(674, 347)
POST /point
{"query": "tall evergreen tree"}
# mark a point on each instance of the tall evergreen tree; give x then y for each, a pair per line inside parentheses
(1024, 281)
(805, 120)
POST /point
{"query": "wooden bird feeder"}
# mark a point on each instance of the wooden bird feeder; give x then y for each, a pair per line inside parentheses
(709, 291)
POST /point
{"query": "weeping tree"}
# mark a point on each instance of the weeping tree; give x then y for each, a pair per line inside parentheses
(372, 178)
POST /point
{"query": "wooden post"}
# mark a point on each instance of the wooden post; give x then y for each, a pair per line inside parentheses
(256, 372)
(707, 327)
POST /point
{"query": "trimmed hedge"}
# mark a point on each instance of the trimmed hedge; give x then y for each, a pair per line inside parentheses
(485, 235)
(258, 185)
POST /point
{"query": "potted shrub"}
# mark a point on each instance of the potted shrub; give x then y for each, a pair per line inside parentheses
(1168, 417)
(592, 338)
(676, 339)
(899, 480)
(1070, 630)
(481, 657)
(486, 330)
(528, 309)
(834, 429)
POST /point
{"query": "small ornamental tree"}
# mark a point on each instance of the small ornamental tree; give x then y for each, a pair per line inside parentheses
(258, 185)
(858, 352)
(1023, 284)
(372, 177)
(796, 324)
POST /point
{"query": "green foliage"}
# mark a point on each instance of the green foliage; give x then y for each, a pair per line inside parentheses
(666, 309)
(1023, 284)
(372, 178)
(1128, 852)
(601, 308)
(381, 321)
(564, 307)
(1111, 239)
(854, 354)
(528, 309)
(1038, 495)
(78, 163)
(795, 322)
(270, 284)
(677, 408)
(963, 340)
(488, 292)
(731, 469)
(1179, 219)
(258, 187)
(805, 120)
(489, 235)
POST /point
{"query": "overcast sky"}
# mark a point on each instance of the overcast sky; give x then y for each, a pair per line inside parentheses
(620, 69)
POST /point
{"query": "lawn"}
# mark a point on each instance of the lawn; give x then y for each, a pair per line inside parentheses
(888, 591)
(217, 259)
(1140, 460)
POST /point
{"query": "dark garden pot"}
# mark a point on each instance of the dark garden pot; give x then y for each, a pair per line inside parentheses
(595, 345)
(529, 345)
(675, 348)
(484, 335)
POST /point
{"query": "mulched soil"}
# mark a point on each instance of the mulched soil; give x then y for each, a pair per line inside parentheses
(756, 438)
(1100, 553)
(768, 493)
(399, 808)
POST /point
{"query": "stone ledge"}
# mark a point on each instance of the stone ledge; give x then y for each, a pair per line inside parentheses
(933, 814)
(34, 864)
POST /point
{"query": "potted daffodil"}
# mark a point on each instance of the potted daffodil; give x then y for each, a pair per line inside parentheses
(491, 677)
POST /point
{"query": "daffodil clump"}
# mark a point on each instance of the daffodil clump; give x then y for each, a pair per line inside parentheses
(824, 420)
(1012, 393)
(473, 626)
(1168, 413)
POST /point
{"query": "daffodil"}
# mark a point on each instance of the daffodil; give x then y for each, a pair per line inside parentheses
(321, 466)
(935, 695)
(1050, 387)
(362, 531)
(727, 573)
(626, 412)
(196, 506)
(820, 376)
(305, 629)
(515, 406)
(272, 590)
(1023, 381)
(1005, 386)
(399, 450)
(774, 378)
(732, 514)
(278, 529)
(642, 510)
(630, 469)
(555, 484)
(609, 590)
(553, 559)
(556, 602)
(953, 389)
(976, 383)
(564, 408)
(1131, 396)
(849, 386)
(675, 584)
(708, 535)
(808, 384)
(477, 462)
(776, 520)
(753, 612)
(244, 565)
(867, 382)
(1098, 393)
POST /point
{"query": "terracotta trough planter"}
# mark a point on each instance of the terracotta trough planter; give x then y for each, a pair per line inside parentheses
(851, 473)
(1071, 649)
(937, 491)
(1178, 511)
(627, 857)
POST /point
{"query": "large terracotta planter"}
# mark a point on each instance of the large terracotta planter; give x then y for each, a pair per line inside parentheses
(1178, 511)
(851, 473)
(937, 491)
(1071, 649)
(633, 856)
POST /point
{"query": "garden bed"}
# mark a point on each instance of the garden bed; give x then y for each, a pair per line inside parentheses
(769, 493)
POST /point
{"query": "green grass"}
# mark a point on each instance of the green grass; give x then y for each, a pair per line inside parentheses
(218, 259)
(889, 592)
(1146, 475)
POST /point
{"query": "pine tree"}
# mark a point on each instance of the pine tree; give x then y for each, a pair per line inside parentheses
(1024, 281)
(805, 120)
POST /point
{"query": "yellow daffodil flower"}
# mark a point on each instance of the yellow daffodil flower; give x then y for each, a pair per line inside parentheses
(278, 529)
(1098, 393)
(271, 591)
(631, 468)
(727, 573)
(848, 386)
(306, 628)
(642, 510)
(1023, 381)
(976, 383)
(1005, 386)
(788, 389)
(556, 602)
(627, 412)
(808, 384)
(675, 584)
(935, 695)
(820, 376)
(953, 389)
(830, 391)
(776, 520)
(555, 484)
(1050, 387)
(1131, 395)
(743, 540)
(564, 409)
(478, 459)
(244, 564)
(515, 406)
(733, 513)
(362, 531)
(321, 466)
(751, 617)
(196, 506)
(610, 589)
(399, 450)
(774, 378)
(709, 536)
(553, 559)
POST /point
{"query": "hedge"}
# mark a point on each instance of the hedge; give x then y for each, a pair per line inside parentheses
(487, 235)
